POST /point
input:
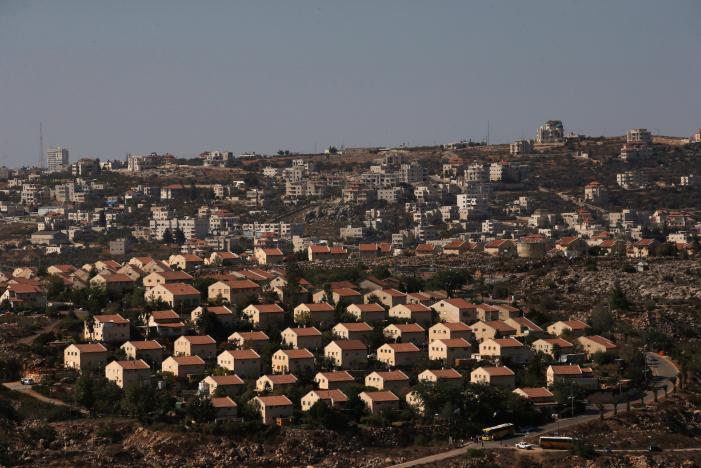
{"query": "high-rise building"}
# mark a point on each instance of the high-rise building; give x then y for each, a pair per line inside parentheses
(57, 159)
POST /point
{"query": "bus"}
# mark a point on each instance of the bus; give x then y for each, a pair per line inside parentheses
(498, 432)
(557, 443)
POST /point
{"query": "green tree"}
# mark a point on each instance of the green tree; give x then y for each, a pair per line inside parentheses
(179, 236)
(167, 237)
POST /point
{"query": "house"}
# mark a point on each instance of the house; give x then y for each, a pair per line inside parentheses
(339, 296)
(541, 397)
(419, 298)
(570, 373)
(450, 350)
(456, 247)
(224, 407)
(523, 326)
(506, 349)
(398, 354)
(60, 269)
(595, 344)
(492, 329)
(85, 357)
(126, 373)
(369, 313)
(233, 291)
(185, 261)
(245, 363)
(158, 317)
(114, 283)
(268, 256)
(223, 258)
(337, 379)
(612, 247)
(272, 407)
(195, 345)
(183, 366)
(507, 311)
(253, 340)
(487, 313)
(293, 361)
(643, 248)
(314, 313)
(347, 354)
(301, 338)
(395, 381)
(23, 295)
(455, 310)
(387, 297)
(417, 313)
(150, 351)
(222, 314)
(374, 250)
(499, 376)
(167, 323)
(179, 296)
(571, 247)
(332, 398)
(264, 315)
(275, 382)
(423, 250)
(109, 328)
(406, 333)
(228, 385)
(440, 375)
(572, 327)
(165, 277)
(352, 330)
(378, 402)
(500, 248)
(132, 272)
(449, 330)
(553, 347)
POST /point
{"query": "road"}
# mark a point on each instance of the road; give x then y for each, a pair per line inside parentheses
(662, 368)
(29, 391)
(574, 200)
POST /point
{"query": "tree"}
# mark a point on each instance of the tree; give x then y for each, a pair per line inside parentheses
(179, 236)
(167, 236)
(138, 400)
(602, 320)
(200, 410)
(618, 299)
(84, 392)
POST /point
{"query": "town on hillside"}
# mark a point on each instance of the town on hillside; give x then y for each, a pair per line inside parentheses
(456, 293)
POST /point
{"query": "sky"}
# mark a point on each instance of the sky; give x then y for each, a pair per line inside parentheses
(107, 77)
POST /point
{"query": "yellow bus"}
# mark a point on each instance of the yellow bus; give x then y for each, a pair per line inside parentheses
(497, 432)
(556, 443)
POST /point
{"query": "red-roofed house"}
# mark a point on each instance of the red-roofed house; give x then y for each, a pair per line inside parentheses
(455, 310)
(347, 354)
(107, 328)
(499, 376)
(398, 354)
(449, 350)
(245, 363)
(268, 256)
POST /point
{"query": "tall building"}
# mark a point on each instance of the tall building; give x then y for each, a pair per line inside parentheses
(57, 159)
(550, 132)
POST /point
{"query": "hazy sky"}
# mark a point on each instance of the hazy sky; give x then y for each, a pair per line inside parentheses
(111, 77)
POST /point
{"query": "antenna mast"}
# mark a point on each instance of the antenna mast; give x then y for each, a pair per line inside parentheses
(41, 147)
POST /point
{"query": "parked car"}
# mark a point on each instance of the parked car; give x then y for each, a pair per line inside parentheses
(524, 445)
(27, 381)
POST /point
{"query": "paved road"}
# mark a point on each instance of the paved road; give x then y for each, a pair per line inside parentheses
(662, 367)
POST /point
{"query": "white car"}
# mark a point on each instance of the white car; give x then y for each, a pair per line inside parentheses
(27, 381)
(524, 445)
